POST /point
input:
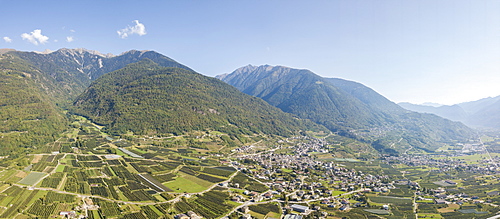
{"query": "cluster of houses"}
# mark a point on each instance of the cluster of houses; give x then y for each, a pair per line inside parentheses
(269, 165)
(308, 173)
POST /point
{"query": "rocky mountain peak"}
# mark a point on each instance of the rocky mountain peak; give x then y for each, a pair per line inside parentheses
(138, 53)
(47, 51)
(83, 51)
(247, 68)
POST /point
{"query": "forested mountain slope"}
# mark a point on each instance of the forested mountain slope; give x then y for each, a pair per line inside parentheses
(36, 87)
(146, 98)
(28, 115)
(344, 106)
(305, 94)
(72, 70)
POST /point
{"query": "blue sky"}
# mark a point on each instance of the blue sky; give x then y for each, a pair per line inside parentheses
(416, 51)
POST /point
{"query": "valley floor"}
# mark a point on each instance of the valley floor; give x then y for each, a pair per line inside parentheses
(87, 173)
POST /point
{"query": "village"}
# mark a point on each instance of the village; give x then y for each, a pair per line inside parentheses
(303, 184)
(293, 178)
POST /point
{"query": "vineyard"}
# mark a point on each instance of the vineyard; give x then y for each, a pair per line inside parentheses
(119, 179)
(107, 209)
(265, 208)
(248, 183)
(17, 199)
(151, 211)
(53, 197)
(56, 176)
(82, 168)
(52, 181)
(219, 171)
(209, 205)
(41, 210)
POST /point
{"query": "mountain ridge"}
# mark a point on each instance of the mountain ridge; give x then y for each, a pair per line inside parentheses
(346, 107)
(283, 81)
(341, 105)
(72, 70)
(145, 97)
(481, 113)
(30, 115)
(46, 83)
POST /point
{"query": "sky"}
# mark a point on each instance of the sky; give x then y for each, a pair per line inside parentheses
(445, 51)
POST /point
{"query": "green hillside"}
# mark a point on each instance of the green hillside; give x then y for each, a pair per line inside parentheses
(146, 98)
(28, 115)
(68, 72)
(419, 130)
(349, 108)
(37, 87)
(306, 95)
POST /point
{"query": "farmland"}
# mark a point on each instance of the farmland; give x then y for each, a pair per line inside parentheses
(32, 178)
(149, 179)
(101, 176)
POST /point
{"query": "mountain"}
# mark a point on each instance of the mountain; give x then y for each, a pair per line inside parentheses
(366, 95)
(37, 86)
(305, 94)
(454, 112)
(474, 107)
(486, 117)
(28, 115)
(345, 106)
(482, 113)
(3, 51)
(68, 72)
(156, 95)
(153, 93)
(147, 98)
(432, 104)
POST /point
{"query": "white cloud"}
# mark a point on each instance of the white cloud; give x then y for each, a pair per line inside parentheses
(72, 31)
(70, 39)
(7, 39)
(35, 37)
(138, 29)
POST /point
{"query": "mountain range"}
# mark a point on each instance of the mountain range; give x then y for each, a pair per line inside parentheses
(343, 106)
(69, 71)
(147, 98)
(481, 113)
(148, 93)
(37, 89)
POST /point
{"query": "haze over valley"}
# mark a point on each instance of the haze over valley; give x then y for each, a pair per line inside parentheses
(480, 114)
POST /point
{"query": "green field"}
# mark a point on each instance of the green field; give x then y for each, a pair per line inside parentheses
(32, 178)
(377, 211)
(186, 184)
(4, 175)
(337, 192)
(476, 157)
(60, 168)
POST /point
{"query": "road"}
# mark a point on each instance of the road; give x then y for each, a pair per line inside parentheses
(485, 149)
